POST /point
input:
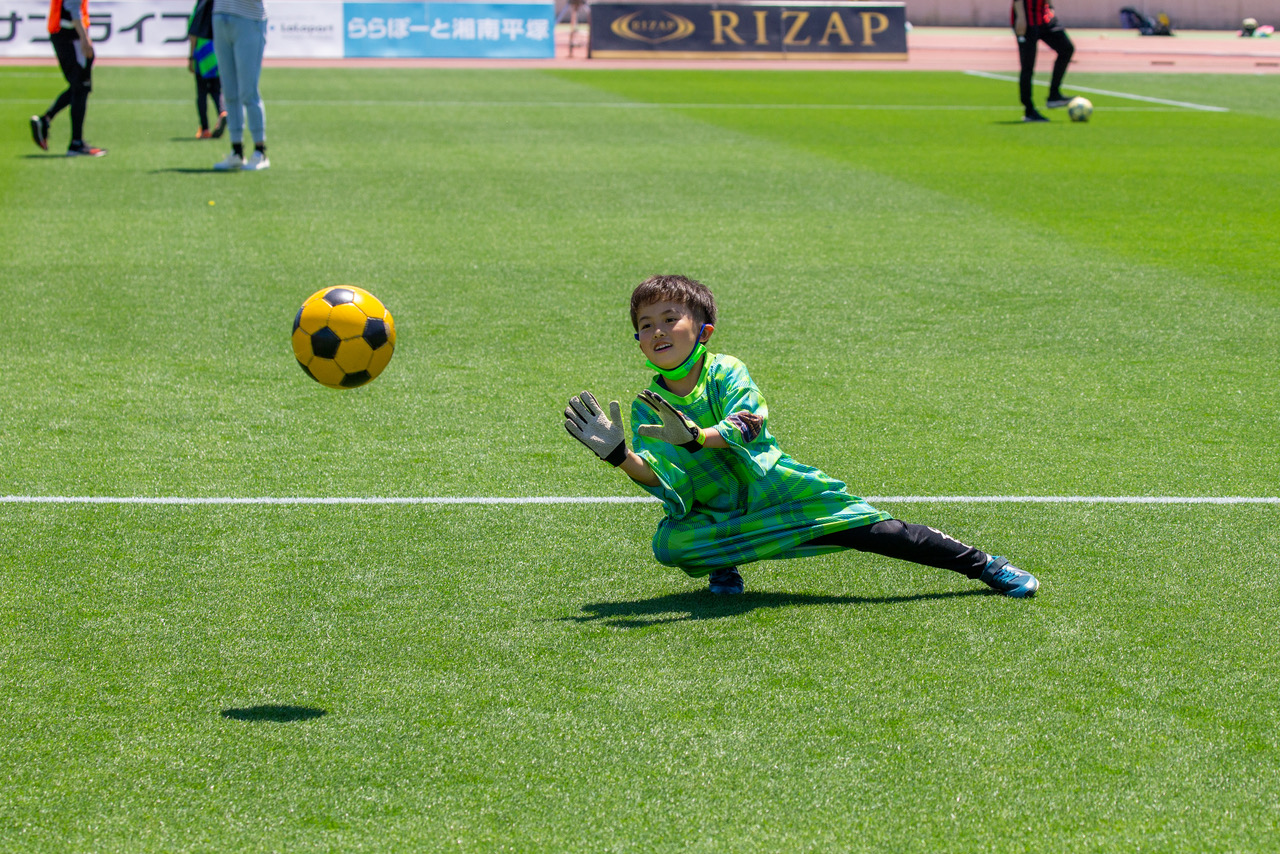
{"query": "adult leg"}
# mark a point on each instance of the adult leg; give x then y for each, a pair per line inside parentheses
(80, 98)
(77, 69)
(65, 50)
(224, 40)
(251, 43)
(1027, 67)
(1056, 38)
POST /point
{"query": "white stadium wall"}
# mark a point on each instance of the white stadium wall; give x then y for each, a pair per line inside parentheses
(1184, 14)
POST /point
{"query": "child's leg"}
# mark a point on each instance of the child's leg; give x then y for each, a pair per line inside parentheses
(915, 543)
(215, 92)
(202, 95)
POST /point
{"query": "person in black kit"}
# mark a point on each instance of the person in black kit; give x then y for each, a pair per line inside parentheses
(69, 32)
(1035, 21)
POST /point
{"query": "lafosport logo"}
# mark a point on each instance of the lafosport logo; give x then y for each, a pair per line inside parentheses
(642, 26)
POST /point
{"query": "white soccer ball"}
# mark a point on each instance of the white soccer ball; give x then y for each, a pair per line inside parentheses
(1079, 109)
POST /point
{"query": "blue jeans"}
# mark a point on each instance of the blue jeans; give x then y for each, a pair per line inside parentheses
(239, 44)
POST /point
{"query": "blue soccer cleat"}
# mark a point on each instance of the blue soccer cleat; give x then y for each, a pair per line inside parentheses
(727, 582)
(1006, 578)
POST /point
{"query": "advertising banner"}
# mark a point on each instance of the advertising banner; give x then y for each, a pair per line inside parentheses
(752, 30)
(505, 30)
(158, 28)
(303, 29)
(117, 27)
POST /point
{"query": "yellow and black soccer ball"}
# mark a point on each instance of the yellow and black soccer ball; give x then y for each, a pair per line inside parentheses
(343, 336)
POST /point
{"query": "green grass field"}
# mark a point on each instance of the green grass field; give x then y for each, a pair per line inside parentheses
(936, 301)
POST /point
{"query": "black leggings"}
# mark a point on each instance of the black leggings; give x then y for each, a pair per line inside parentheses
(916, 543)
(207, 87)
(1056, 38)
(66, 44)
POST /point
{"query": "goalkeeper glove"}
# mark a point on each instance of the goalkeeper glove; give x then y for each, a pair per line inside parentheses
(586, 422)
(675, 427)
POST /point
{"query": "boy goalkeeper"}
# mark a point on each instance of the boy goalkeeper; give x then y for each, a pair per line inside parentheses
(701, 444)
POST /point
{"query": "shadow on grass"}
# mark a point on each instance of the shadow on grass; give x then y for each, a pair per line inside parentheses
(273, 713)
(701, 605)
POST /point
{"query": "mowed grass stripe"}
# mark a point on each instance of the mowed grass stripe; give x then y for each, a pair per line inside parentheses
(622, 499)
(605, 105)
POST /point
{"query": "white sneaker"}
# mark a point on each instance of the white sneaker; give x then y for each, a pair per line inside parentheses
(257, 160)
(232, 161)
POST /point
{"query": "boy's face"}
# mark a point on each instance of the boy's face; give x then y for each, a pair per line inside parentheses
(668, 332)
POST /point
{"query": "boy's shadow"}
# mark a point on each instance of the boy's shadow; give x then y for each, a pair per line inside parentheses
(701, 605)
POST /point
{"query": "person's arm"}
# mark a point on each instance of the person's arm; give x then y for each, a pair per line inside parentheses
(1020, 18)
(586, 422)
(86, 43)
(191, 56)
(638, 470)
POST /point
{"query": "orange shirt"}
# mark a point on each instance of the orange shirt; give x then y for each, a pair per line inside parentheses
(57, 22)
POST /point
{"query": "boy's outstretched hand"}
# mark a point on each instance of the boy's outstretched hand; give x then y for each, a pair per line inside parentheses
(675, 427)
(586, 422)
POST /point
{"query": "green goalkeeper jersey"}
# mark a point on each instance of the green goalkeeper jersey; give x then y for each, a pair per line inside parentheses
(748, 502)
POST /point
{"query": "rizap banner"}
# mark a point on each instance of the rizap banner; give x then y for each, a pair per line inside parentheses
(760, 30)
(158, 28)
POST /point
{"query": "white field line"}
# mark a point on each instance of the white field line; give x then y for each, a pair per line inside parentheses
(603, 105)
(630, 499)
(1074, 88)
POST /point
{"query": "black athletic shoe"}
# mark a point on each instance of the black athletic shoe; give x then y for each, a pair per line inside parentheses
(83, 149)
(1056, 101)
(222, 125)
(1034, 116)
(40, 131)
(727, 582)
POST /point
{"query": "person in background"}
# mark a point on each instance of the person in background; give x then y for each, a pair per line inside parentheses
(69, 33)
(1035, 21)
(203, 63)
(240, 40)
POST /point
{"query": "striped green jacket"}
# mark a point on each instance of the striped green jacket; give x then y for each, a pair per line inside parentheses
(748, 502)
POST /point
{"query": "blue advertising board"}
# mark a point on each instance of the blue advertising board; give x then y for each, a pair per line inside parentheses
(449, 30)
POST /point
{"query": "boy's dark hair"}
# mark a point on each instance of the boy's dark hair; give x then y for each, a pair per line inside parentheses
(693, 295)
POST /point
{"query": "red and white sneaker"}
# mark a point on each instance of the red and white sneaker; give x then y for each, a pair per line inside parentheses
(84, 149)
